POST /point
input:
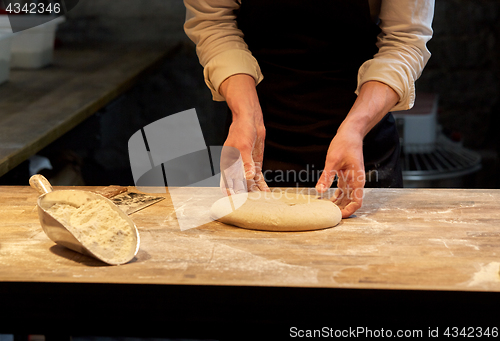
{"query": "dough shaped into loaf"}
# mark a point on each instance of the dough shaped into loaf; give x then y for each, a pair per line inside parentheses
(276, 211)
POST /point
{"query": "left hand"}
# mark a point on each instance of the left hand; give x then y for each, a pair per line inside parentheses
(345, 154)
(345, 160)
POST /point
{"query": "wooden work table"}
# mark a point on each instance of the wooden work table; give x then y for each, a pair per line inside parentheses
(39, 106)
(405, 251)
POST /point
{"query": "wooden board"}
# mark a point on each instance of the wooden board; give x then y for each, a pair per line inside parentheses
(39, 106)
(411, 239)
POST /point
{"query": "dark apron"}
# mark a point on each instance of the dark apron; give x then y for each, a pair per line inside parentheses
(310, 53)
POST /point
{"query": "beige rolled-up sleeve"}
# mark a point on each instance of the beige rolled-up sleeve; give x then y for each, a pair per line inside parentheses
(402, 55)
(211, 25)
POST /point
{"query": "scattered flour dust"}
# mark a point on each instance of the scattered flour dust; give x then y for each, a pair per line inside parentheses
(489, 273)
(99, 228)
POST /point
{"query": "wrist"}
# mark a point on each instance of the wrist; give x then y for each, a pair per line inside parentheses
(350, 132)
(240, 93)
(372, 104)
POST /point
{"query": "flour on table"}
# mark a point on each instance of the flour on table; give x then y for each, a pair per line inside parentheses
(489, 273)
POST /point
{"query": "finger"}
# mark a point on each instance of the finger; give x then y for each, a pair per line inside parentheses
(350, 200)
(339, 192)
(261, 182)
(232, 163)
(263, 186)
(239, 186)
(226, 184)
(326, 180)
(252, 186)
(259, 177)
(343, 192)
(357, 196)
(349, 210)
(225, 191)
(248, 165)
(258, 155)
(344, 199)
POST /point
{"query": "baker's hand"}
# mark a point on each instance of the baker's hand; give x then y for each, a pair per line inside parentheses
(246, 136)
(242, 156)
(345, 160)
(345, 154)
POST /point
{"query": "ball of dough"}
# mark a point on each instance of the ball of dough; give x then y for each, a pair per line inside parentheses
(276, 211)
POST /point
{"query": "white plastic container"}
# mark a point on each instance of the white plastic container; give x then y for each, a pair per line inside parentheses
(419, 124)
(32, 48)
(5, 54)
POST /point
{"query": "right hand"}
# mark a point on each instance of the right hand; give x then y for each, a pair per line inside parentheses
(247, 134)
(248, 137)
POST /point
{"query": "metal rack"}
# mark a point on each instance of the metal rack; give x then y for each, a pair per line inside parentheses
(444, 160)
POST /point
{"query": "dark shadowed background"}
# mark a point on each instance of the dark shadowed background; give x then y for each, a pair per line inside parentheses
(464, 71)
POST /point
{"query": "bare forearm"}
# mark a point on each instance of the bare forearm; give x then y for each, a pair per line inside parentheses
(374, 101)
(241, 96)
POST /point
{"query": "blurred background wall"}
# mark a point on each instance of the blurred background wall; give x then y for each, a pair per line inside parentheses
(126, 21)
(464, 71)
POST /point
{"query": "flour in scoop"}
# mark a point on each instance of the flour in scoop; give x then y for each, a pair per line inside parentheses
(99, 228)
